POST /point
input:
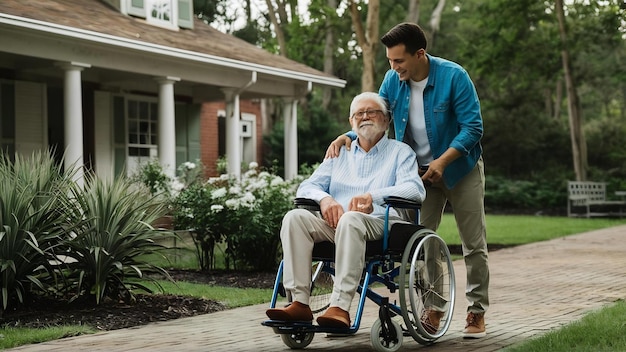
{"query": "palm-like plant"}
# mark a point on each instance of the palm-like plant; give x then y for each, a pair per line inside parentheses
(32, 190)
(114, 238)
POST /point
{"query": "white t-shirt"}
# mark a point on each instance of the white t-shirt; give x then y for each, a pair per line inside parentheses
(417, 124)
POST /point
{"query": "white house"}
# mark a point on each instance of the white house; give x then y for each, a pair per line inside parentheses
(110, 83)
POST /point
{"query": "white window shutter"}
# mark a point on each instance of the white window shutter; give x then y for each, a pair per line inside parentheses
(185, 14)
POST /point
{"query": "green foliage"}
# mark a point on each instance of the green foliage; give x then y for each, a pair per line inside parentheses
(315, 133)
(152, 176)
(193, 212)
(114, 236)
(32, 193)
(209, 10)
(522, 195)
(245, 214)
(512, 51)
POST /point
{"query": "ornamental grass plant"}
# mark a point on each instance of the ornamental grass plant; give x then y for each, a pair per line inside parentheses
(33, 190)
(65, 241)
(111, 248)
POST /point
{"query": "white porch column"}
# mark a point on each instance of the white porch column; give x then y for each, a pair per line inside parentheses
(73, 119)
(233, 132)
(167, 125)
(290, 115)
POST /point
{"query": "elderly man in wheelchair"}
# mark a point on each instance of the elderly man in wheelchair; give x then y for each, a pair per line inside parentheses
(357, 198)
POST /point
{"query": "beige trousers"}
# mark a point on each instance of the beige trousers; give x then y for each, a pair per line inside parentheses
(301, 229)
(467, 201)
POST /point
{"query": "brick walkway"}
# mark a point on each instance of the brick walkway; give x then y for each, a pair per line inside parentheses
(534, 288)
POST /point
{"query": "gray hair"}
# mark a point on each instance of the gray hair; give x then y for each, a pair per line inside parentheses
(369, 96)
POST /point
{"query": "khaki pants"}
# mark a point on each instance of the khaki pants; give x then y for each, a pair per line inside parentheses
(467, 201)
(301, 229)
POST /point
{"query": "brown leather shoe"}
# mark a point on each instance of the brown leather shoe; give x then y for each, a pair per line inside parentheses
(296, 311)
(475, 327)
(430, 320)
(334, 317)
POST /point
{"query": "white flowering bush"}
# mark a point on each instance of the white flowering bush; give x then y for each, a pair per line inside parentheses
(245, 214)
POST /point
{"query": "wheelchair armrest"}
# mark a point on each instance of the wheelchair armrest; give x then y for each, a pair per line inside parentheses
(402, 203)
(306, 203)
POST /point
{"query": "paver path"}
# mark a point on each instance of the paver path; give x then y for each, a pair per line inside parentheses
(534, 288)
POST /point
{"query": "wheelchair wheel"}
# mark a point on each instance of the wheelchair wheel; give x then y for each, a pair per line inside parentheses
(427, 287)
(321, 287)
(383, 343)
(297, 340)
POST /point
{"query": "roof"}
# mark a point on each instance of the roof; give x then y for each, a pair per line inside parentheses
(96, 18)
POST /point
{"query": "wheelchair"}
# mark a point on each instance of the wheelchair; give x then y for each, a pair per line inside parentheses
(409, 259)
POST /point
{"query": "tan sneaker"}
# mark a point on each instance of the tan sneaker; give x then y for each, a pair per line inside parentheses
(430, 320)
(475, 327)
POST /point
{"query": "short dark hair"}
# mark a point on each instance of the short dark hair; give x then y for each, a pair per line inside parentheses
(409, 34)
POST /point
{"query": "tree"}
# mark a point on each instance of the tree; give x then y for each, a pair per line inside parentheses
(413, 14)
(329, 48)
(577, 135)
(435, 20)
(368, 40)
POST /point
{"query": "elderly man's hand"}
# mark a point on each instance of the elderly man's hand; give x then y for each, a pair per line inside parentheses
(362, 203)
(335, 146)
(331, 211)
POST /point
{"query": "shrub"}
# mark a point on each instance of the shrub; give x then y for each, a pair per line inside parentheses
(244, 214)
(256, 241)
(32, 199)
(111, 246)
(541, 193)
(151, 175)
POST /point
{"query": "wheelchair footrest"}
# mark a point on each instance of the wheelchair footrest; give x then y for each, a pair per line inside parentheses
(289, 327)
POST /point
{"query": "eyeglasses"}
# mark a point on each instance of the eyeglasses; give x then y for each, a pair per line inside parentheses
(369, 113)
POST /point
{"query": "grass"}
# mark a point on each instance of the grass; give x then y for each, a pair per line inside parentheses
(523, 229)
(12, 337)
(231, 297)
(603, 330)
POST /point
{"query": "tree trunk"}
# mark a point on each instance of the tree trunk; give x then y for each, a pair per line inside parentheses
(280, 35)
(367, 40)
(329, 49)
(414, 11)
(577, 136)
(435, 21)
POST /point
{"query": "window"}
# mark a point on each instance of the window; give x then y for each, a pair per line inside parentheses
(161, 13)
(142, 118)
(164, 13)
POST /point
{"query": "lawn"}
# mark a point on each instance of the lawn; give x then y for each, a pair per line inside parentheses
(522, 229)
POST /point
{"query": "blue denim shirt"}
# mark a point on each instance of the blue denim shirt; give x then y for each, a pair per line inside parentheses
(451, 111)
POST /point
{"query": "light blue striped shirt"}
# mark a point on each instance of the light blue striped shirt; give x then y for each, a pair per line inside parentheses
(388, 169)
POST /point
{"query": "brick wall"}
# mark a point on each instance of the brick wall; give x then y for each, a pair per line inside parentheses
(209, 132)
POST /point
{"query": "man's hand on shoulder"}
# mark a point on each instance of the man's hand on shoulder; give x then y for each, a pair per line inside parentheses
(335, 146)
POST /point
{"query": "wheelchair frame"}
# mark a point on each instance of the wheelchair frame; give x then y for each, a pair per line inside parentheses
(386, 334)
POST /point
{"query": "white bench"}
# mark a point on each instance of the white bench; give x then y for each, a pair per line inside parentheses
(591, 196)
